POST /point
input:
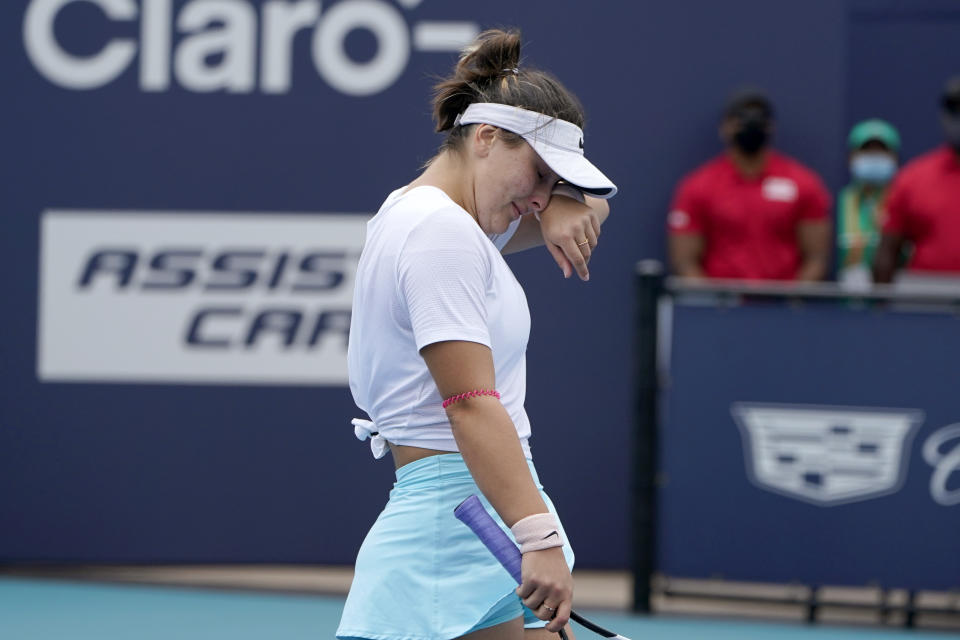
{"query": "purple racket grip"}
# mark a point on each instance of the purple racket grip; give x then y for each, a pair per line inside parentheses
(471, 513)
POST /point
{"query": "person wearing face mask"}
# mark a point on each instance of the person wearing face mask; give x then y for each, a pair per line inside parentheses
(923, 210)
(874, 145)
(751, 213)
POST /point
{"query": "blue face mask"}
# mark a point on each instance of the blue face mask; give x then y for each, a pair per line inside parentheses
(873, 168)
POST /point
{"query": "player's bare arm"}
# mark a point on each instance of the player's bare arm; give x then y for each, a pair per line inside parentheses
(488, 442)
(569, 229)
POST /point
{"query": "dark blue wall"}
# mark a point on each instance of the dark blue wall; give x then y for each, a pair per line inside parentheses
(114, 472)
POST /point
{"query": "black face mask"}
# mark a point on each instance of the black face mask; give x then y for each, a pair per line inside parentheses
(751, 136)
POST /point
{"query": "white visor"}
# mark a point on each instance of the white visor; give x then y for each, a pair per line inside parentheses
(558, 142)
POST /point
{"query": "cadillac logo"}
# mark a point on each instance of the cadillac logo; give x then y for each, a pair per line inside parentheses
(826, 455)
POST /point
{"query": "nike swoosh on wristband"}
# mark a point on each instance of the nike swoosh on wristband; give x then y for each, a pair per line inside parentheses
(552, 533)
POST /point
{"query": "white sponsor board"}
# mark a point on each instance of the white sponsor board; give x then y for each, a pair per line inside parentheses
(826, 455)
(204, 298)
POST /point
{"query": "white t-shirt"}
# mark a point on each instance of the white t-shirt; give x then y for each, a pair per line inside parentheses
(429, 273)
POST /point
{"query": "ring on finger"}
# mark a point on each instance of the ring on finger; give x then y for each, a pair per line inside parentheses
(548, 608)
(580, 244)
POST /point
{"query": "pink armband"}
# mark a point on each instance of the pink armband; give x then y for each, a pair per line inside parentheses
(471, 394)
(536, 532)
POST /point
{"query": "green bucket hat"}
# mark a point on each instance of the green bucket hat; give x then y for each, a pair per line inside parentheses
(874, 129)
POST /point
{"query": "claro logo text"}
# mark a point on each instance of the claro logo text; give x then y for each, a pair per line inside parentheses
(227, 45)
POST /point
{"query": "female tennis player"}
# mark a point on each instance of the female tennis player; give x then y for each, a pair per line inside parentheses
(437, 356)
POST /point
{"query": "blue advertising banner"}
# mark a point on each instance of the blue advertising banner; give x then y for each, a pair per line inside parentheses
(186, 189)
(816, 444)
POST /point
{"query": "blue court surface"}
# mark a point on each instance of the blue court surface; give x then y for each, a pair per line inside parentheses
(46, 609)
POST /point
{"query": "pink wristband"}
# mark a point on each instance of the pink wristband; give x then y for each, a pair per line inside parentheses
(471, 394)
(536, 532)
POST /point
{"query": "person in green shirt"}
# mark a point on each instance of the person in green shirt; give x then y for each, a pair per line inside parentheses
(874, 156)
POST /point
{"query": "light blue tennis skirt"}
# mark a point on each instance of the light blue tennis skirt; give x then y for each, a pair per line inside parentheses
(421, 574)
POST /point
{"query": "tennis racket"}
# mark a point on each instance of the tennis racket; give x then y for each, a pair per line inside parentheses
(471, 513)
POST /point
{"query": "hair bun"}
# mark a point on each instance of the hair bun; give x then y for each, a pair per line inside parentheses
(480, 63)
(488, 72)
(486, 57)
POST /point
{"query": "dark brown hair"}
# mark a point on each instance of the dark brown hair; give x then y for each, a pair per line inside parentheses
(489, 71)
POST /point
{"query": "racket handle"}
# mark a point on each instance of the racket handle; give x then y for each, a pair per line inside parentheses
(471, 513)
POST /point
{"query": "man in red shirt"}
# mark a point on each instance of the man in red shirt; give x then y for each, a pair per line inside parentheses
(751, 213)
(923, 208)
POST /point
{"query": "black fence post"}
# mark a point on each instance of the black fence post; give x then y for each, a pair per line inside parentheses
(649, 286)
